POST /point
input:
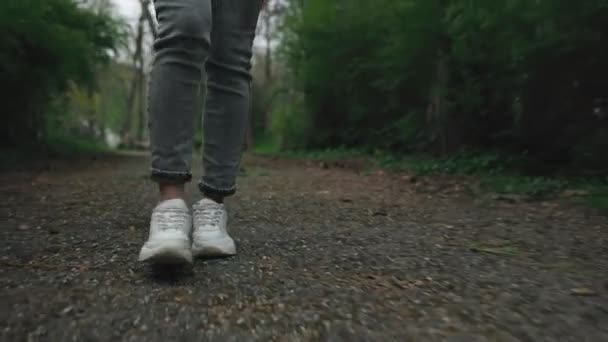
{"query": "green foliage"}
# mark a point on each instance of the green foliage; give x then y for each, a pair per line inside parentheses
(69, 146)
(46, 45)
(442, 76)
(346, 69)
(335, 154)
(267, 147)
(289, 126)
(464, 163)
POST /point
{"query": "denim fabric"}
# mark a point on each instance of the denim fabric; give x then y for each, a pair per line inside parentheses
(197, 39)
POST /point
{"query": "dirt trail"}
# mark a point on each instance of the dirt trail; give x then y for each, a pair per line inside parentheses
(325, 254)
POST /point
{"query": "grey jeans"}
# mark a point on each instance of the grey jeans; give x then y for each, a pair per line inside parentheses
(199, 38)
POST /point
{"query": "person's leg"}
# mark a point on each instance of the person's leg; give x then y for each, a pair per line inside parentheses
(181, 48)
(227, 103)
(227, 108)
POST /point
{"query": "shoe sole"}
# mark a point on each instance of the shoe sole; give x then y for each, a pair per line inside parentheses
(223, 247)
(168, 252)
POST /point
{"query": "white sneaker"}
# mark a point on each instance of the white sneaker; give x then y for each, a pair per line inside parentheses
(169, 241)
(210, 237)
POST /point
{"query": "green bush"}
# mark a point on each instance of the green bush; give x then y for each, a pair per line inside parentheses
(517, 76)
(290, 125)
(44, 46)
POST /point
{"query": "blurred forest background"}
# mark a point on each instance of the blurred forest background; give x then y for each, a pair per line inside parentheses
(505, 83)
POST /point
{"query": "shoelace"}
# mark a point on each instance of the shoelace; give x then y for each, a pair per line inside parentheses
(169, 219)
(208, 215)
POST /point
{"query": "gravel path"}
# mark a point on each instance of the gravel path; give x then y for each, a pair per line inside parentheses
(325, 254)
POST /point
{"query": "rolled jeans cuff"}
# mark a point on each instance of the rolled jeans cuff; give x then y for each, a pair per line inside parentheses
(163, 176)
(208, 189)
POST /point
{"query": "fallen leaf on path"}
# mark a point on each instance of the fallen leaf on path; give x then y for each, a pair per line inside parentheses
(497, 243)
(498, 250)
(67, 310)
(509, 198)
(583, 292)
(409, 178)
(574, 193)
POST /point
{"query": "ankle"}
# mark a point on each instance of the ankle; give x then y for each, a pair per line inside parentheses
(169, 191)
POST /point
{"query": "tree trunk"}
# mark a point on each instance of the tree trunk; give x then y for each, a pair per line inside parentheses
(268, 38)
(250, 138)
(437, 115)
(145, 9)
(141, 108)
(126, 129)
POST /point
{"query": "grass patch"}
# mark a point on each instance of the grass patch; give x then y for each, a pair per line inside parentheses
(266, 148)
(70, 147)
(463, 163)
(496, 173)
(531, 187)
(328, 154)
(504, 175)
(56, 147)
